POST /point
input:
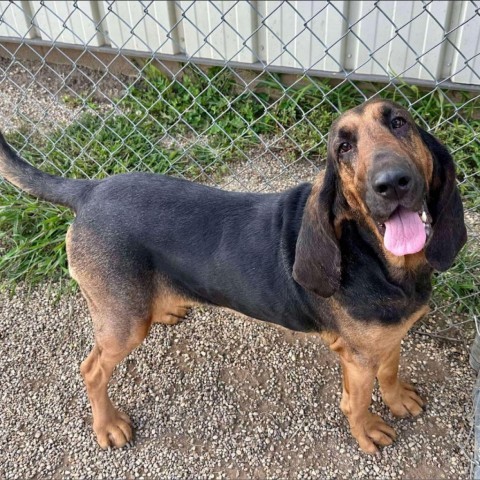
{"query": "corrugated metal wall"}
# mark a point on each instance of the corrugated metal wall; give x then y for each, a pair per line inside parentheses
(413, 39)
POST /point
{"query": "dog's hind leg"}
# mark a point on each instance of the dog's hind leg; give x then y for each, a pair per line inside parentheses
(117, 333)
(120, 327)
(124, 296)
(118, 289)
(169, 308)
(112, 345)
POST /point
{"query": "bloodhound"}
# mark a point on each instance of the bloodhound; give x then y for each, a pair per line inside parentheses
(349, 258)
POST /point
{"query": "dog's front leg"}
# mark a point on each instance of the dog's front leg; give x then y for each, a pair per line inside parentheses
(369, 429)
(358, 379)
(400, 396)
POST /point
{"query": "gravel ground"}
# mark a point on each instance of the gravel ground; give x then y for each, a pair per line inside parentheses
(216, 396)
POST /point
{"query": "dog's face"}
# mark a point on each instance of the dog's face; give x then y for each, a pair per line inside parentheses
(385, 171)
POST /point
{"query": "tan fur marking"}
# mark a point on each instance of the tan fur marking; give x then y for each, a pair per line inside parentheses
(373, 342)
(68, 247)
(169, 308)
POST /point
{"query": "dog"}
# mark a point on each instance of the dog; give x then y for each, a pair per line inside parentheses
(349, 257)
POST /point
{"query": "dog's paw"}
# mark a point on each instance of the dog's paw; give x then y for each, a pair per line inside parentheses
(371, 431)
(403, 400)
(114, 430)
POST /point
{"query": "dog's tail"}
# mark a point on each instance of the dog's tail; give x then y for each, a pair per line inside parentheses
(63, 191)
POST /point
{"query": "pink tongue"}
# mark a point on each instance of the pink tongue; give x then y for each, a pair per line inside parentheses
(404, 233)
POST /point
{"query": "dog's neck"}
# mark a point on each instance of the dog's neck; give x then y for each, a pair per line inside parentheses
(394, 292)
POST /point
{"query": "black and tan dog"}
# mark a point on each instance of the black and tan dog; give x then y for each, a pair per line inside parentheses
(349, 257)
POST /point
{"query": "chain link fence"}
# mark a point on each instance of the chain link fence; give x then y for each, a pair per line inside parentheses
(226, 91)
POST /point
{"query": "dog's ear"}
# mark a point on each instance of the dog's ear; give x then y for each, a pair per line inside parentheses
(317, 255)
(445, 205)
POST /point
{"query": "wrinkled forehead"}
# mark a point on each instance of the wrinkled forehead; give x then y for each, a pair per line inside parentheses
(367, 116)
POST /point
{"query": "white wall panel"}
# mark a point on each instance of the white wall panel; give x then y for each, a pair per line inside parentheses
(207, 36)
(61, 21)
(466, 59)
(130, 27)
(387, 38)
(14, 21)
(302, 34)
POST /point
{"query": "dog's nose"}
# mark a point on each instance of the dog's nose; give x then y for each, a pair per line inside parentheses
(392, 184)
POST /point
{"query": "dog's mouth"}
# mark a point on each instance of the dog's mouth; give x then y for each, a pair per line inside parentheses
(406, 231)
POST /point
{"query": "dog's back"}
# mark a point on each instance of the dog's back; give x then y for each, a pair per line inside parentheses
(225, 248)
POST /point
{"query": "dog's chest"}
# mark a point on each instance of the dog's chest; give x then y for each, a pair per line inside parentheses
(368, 292)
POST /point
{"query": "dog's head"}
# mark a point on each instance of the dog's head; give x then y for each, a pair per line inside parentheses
(388, 173)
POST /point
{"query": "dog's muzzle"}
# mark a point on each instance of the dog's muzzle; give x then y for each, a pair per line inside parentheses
(396, 199)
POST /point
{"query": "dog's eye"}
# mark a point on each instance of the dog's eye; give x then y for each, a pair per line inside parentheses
(398, 122)
(344, 147)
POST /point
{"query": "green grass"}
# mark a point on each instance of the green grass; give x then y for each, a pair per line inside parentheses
(458, 288)
(210, 119)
